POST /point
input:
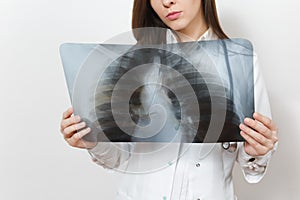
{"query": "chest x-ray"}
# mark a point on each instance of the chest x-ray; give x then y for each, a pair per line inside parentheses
(191, 92)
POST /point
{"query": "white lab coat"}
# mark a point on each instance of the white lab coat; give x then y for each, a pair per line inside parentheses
(203, 172)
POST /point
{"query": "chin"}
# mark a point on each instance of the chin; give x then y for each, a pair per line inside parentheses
(177, 25)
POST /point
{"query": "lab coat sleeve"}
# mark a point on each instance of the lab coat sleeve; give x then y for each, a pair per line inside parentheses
(254, 168)
(110, 155)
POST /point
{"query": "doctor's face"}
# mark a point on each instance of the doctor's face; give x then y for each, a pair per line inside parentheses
(179, 15)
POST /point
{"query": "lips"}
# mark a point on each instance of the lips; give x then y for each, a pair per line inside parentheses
(174, 15)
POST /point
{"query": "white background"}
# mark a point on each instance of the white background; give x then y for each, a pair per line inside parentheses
(36, 163)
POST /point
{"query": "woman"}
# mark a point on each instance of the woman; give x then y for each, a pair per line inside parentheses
(190, 178)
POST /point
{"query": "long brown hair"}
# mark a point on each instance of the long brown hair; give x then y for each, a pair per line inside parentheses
(143, 16)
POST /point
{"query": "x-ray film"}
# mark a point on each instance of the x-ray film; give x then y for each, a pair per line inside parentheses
(191, 92)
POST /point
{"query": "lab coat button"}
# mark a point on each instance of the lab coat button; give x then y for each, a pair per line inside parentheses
(198, 165)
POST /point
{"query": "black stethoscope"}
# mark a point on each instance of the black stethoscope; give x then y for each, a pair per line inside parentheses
(230, 146)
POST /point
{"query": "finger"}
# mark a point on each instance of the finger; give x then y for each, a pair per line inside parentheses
(67, 113)
(259, 138)
(69, 121)
(254, 144)
(75, 139)
(258, 127)
(265, 120)
(268, 123)
(71, 130)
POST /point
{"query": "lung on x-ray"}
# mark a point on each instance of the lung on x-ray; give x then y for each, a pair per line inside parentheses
(193, 92)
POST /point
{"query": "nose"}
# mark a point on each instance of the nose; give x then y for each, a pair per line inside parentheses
(168, 3)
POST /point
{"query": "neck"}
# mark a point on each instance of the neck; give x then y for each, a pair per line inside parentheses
(194, 30)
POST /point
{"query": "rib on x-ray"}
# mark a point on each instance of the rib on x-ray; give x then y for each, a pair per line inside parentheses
(191, 92)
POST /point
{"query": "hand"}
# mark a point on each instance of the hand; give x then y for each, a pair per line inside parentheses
(260, 134)
(70, 126)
